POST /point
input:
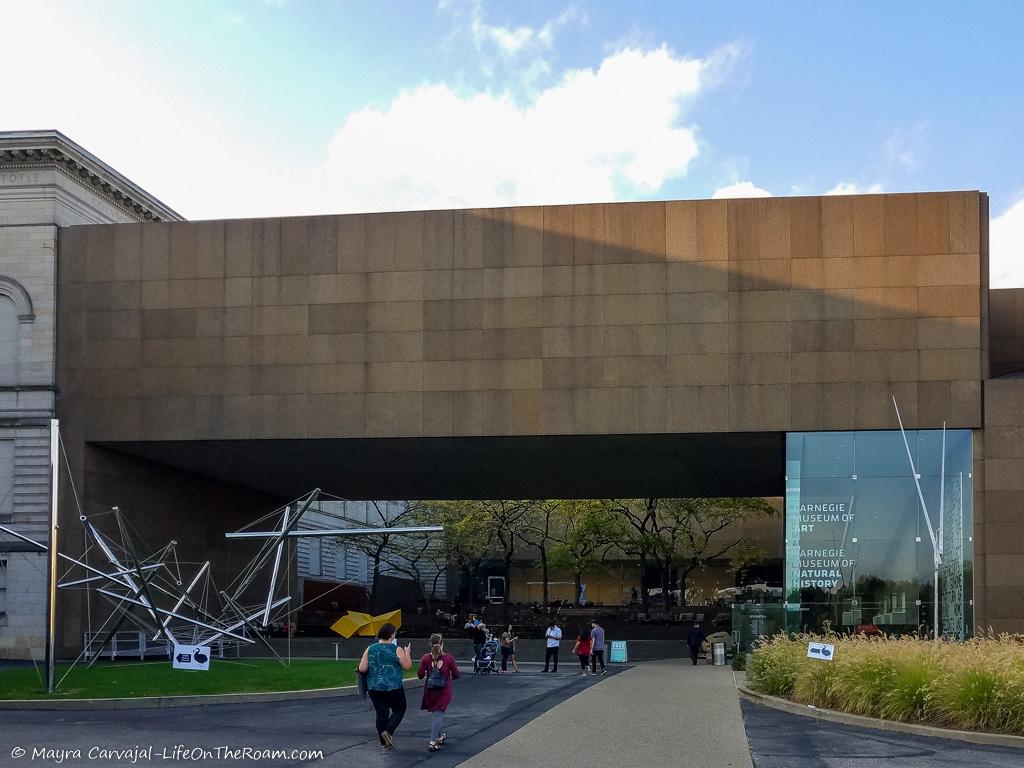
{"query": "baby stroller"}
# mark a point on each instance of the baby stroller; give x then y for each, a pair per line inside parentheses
(484, 664)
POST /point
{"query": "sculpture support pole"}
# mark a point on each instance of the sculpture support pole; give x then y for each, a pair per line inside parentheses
(51, 570)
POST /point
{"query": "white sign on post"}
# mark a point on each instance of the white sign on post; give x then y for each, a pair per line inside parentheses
(196, 657)
(823, 651)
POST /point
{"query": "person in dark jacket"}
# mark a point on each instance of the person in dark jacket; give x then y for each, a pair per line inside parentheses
(695, 640)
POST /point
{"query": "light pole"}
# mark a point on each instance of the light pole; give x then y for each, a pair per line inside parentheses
(935, 539)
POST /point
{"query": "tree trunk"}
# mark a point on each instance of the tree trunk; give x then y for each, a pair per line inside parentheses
(544, 572)
(508, 586)
(578, 581)
(666, 582)
(375, 583)
(644, 601)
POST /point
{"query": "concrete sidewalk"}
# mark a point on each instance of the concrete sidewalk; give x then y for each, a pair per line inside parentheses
(658, 713)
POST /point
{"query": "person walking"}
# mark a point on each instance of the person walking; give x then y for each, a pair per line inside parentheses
(553, 636)
(480, 634)
(582, 649)
(597, 647)
(507, 641)
(383, 663)
(695, 640)
(437, 669)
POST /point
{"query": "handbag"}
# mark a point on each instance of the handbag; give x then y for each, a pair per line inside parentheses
(361, 683)
(436, 680)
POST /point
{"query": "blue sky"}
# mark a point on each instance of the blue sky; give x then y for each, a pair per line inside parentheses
(228, 108)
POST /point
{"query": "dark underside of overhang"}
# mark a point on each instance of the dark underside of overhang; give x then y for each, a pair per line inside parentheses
(578, 466)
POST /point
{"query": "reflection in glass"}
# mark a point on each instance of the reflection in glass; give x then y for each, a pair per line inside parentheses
(858, 553)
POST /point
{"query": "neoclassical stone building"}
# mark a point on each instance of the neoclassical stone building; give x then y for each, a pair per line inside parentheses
(46, 182)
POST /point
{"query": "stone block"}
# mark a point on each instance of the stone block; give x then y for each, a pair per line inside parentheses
(696, 338)
(697, 370)
(634, 371)
(805, 227)
(837, 226)
(827, 366)
(758, 407)
(634, 340)
(381, 242)
(886, 365)
(438, 240)
(528, 236)
(821, 335)
(885, 334)
(868, 225)
(759, 368)
(710, 307)
(588, 235)
(965, 223)
(635, 234)
(932, 223)
(949, 301)
(573, 341)
(557, 242)
(949, 364)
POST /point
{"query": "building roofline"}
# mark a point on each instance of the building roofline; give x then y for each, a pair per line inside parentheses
(26, 149)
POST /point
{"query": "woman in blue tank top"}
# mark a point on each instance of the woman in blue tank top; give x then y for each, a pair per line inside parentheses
(383, 663)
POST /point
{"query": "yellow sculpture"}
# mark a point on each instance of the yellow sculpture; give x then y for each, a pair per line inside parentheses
(363, 624)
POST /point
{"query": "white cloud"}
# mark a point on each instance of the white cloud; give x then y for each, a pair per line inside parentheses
(1006, 248)
(853, 188)
(903, 146)
(740, 189)
(603, 134)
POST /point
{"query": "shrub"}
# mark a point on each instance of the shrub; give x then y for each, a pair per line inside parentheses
(977, 685)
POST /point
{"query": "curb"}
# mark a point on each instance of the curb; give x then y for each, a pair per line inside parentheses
(167, 702)
(845, 718)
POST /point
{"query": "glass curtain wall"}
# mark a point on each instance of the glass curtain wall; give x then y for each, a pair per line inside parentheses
(859, 556)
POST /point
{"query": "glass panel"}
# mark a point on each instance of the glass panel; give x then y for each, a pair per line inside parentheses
(858, 547)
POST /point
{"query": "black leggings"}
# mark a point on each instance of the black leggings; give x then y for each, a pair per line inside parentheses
(390, 708)
(584, 661)
(595, 657)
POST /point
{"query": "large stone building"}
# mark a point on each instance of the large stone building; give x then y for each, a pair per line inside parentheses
(46, 183)
(679, 348)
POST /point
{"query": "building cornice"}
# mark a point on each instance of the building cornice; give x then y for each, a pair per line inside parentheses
(52, 150)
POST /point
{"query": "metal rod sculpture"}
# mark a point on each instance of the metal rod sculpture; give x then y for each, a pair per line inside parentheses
(151, 592)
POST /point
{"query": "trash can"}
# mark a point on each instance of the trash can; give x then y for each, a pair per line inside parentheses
(718, 654)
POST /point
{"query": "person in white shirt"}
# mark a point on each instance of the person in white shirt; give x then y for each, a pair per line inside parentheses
(553, 635)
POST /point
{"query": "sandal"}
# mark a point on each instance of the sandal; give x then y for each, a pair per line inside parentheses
(441, 739)
(433, 746)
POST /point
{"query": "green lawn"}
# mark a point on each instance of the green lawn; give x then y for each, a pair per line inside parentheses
(129, 679)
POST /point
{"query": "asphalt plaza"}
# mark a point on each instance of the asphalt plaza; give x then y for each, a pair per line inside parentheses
(485, 710)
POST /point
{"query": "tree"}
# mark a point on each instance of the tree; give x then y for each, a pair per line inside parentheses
(684, 534)
(589, 529)
(538, 531)
(639, 536)
(695, 531)
(378, 546)
(466, 540)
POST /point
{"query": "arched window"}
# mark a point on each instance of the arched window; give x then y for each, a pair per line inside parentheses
(10, 337)
(15, 311)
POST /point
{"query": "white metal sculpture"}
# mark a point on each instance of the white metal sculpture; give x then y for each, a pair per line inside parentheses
(178, 600)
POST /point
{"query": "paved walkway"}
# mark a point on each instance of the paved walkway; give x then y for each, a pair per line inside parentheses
(658, 713)
(781, 740)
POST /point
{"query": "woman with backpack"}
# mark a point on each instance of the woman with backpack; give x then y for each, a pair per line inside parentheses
(438, 669)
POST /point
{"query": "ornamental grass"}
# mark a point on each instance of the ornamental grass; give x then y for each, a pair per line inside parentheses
(976, 685)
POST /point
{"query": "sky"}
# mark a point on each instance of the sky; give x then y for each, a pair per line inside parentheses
(244, 108)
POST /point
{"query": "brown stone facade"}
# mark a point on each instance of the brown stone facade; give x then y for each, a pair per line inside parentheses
(691, 316)
(678, 317)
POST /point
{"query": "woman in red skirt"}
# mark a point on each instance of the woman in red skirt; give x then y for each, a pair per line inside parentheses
(438, 669)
